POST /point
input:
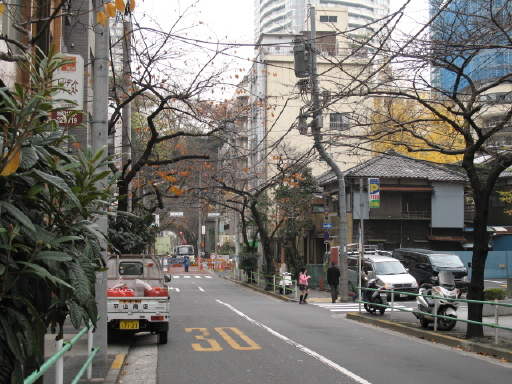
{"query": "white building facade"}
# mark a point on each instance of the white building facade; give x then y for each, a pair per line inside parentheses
(290, 16)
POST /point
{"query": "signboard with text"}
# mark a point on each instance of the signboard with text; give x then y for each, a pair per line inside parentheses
(71, 78)
(374, 192)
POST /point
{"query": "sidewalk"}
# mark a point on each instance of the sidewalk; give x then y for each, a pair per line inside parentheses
(406, 323)
(102, 372)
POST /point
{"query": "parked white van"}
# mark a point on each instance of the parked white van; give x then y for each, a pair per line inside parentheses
(389, 272)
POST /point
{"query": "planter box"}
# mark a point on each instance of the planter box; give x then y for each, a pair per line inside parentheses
(488, 309)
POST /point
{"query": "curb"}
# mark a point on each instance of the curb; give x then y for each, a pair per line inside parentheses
(115, 369)
(450, 341)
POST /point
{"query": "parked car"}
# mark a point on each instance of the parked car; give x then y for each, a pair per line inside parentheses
(389, 272)
(425, 264)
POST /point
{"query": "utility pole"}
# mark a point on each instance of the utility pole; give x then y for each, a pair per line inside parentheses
(200, 227)
(99, 139)
(304, 69)
(126, 146)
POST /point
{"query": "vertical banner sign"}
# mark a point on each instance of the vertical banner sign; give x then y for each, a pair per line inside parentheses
(70, 77)
(374, 192)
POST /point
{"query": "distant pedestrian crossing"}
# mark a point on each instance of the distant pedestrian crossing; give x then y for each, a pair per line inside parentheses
(191, 277)
(351, 307)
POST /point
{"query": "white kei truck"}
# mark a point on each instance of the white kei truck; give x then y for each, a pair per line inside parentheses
(137, 297)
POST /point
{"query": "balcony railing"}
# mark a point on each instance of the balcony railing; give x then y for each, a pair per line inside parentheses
(410, 215)
(283, 50)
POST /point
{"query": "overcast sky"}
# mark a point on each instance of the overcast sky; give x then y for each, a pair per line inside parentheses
(226, 18)
(233, 20)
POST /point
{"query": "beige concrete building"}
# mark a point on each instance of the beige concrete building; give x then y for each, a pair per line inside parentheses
(277, 97)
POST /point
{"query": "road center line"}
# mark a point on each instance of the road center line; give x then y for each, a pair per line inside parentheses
(317, 356)
(201, 289)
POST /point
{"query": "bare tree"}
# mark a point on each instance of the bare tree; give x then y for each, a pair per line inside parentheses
(264, 206)
(172, 89)
(454, 74)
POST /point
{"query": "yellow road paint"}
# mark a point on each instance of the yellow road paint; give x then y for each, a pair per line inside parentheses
(214, 345)
(118, 361)
(233, 343)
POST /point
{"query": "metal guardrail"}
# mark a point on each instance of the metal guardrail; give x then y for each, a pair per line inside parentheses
(260, 278)
(494, 325)
(58, 359)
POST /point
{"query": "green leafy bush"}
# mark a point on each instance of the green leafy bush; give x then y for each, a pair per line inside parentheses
(50, 245)
(492, 294)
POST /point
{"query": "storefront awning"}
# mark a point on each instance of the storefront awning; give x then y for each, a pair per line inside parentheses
(447, 238)
(407, 189)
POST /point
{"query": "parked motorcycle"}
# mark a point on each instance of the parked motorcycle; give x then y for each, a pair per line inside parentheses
(444, 293)
(375, 297)
(286, 284)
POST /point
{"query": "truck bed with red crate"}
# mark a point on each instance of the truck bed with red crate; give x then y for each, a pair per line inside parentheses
(137, 297)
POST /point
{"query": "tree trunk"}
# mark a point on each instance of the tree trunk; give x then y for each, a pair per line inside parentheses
(476, 286)
(265, 244)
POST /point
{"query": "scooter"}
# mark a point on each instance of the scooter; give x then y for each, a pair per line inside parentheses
(444, 293)
(285, 285)
(375, 297)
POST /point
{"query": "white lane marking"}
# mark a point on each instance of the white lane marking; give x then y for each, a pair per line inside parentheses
(189, 277)
(201, 289)
(317, 356)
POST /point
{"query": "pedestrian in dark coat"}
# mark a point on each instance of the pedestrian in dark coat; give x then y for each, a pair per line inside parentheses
(333, 279)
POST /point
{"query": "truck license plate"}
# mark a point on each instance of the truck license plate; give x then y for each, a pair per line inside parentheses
(129, 324)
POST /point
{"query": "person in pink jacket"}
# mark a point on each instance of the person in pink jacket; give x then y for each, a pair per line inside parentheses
(303, 285)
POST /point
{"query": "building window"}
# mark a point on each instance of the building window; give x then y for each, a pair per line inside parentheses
(339, 121)
(328, 19)
(318, 208)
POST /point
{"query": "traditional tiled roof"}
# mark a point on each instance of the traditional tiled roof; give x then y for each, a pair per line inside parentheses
(395, 165)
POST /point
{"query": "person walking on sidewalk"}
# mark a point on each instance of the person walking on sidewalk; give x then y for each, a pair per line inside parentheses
(303, 285)
(333, 279)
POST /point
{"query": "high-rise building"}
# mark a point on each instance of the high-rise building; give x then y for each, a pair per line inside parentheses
(456, 25)
(289, 16)
(463, 62)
